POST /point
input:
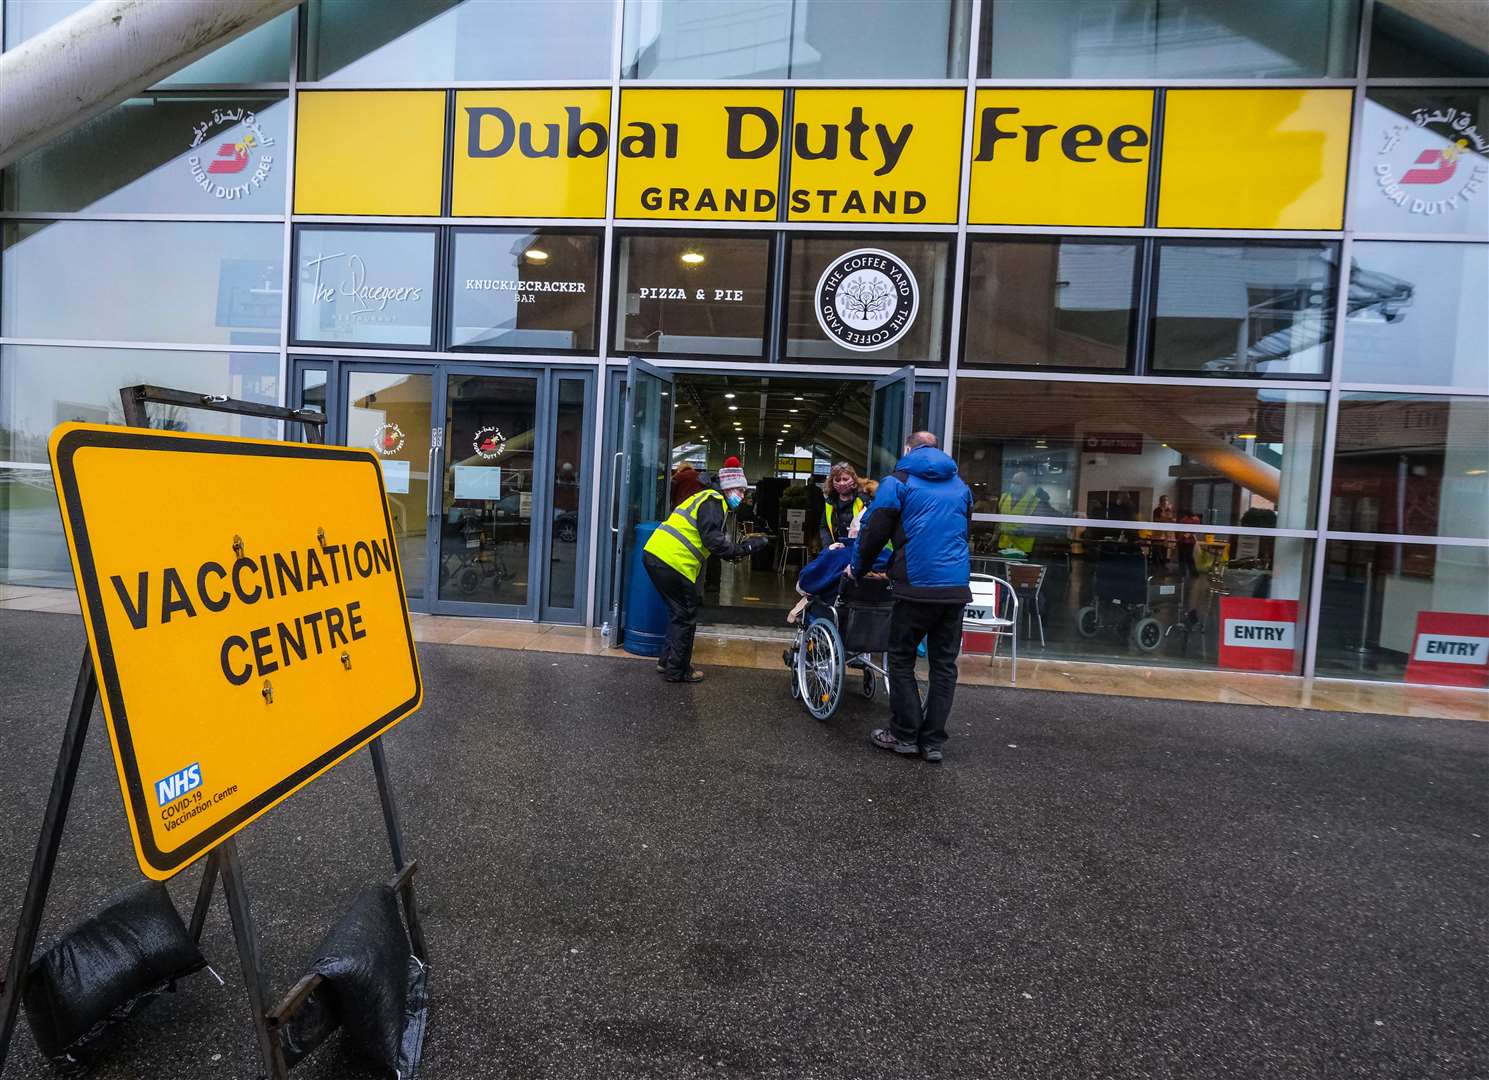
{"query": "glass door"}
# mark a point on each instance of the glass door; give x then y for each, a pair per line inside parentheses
(890, 417)
(643, 470)
(390, 410)
(489, 482)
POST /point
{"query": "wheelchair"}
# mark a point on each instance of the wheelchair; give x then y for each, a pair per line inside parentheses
(1126, 598)
(853, 629)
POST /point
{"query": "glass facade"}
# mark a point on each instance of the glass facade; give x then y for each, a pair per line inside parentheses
(1197, 347)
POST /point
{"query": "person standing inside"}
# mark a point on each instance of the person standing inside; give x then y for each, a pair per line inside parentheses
(674, 557)
(842, 503)
(1018, 499)
(925, 510)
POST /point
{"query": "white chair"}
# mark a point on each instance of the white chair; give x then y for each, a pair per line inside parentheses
(994, 610)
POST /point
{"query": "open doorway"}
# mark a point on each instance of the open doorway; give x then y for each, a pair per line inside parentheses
(787, 433)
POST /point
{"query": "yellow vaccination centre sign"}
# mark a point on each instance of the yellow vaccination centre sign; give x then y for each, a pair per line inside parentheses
(245, 610)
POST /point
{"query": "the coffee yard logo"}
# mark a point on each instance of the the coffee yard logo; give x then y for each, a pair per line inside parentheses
(867, 299)
(489, 443)
(225, 172)
(1435, 167)
(387, 439)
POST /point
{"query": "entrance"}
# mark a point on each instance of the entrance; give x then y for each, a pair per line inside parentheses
(485, 473)
(787, 431)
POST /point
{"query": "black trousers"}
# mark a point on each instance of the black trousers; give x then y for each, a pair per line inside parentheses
(682, 599)
(940, 626)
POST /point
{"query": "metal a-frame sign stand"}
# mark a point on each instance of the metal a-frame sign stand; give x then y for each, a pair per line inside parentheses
(223, 859)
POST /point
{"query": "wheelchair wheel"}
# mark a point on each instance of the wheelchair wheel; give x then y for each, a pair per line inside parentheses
(791, 658)
(1087, 622)
(1147, 634)
(870, 684)
(819, 668)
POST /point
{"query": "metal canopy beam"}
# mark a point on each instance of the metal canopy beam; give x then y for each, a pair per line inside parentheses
(102, 54)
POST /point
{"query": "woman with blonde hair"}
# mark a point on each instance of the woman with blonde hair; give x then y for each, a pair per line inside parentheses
(844, 503)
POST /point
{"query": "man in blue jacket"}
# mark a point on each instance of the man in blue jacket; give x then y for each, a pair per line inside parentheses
(926, 510)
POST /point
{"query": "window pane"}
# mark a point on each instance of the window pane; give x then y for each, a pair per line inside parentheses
(43, 386)
(569, 476)
(1424, 162)
(203, 283)
(1253, 309)
(705, 294)
(1133, 452)
(365, 285)
(1443, 39)
(261, 55)
(1417, 315)
(1051, 303)
(1375, 595)
(864, 301)
(400, 41)
(166, 154)
(803, 39)
(1142, 596)
(1416, 465)
(524, 289)
(1139, 39)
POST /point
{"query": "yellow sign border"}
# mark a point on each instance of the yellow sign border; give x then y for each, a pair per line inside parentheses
(66, 440)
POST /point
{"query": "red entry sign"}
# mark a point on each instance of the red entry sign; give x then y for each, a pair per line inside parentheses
(1450, 649)
(1258, 635)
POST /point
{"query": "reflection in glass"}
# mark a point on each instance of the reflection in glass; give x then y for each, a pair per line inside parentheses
(799, 39)
(1374, 594)
(1409, 464)
(365, 285)
(1417, 315)
(1133, 452)
(261, 55)
(194, 282)
(166, 154)
(43, 386)
(1144, 596)
(568, 498)
(925, 340)
(524, 289)
(1140, 39)
(395, 41)
(389, 414)
(703, 295)
(1251, 308)
(487, 493)
(1040, 302)
(1423, 163)
(1429, 40)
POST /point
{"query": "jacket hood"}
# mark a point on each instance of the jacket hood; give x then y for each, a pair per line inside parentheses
(928, 463)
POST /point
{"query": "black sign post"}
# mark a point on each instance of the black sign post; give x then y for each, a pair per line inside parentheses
(223, 860)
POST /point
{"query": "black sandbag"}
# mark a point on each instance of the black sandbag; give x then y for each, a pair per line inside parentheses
(103, 969)
(415, 1020)
(364, 962)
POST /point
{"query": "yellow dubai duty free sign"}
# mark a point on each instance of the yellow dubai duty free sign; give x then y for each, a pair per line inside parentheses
(245, 609)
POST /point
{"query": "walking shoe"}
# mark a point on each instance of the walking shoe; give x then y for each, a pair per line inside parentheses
(932, 754)
(691, 677)
(885, 740)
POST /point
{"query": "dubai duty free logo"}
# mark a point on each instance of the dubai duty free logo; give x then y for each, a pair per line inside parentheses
(387, 439)
(1430, 167)
(489, 443)
(221, 175)
(867, 300)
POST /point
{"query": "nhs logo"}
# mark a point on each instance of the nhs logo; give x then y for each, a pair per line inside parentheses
(177, 784)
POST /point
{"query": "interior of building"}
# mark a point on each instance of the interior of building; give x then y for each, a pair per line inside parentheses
(787, 433)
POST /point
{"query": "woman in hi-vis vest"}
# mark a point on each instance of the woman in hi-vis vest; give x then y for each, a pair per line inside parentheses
(844, 503)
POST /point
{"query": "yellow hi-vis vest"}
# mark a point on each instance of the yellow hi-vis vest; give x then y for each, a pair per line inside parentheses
(1009, 534)
(857, 509)
(677, 541)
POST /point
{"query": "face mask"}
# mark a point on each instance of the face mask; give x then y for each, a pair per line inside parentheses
(734, 499)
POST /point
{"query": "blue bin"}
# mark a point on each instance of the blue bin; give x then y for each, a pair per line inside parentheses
(646, 612)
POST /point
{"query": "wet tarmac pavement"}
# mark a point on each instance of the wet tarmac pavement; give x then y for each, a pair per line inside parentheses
(622, 878)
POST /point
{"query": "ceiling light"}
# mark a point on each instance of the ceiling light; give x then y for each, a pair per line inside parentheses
(1248, 436)
(535, 255)
(734, 408)
(692, 258)
(796, 410)
(798, 399)
(785, 426)
(729, 396)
